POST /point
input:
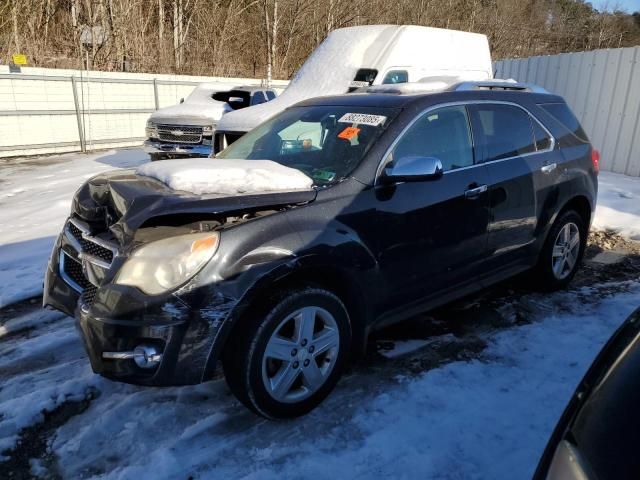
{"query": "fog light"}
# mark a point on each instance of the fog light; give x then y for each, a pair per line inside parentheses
(146, 356)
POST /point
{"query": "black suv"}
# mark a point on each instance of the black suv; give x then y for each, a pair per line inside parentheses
(417, 199)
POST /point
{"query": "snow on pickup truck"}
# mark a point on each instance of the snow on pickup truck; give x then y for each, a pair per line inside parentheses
(356, 57)
(186, 129)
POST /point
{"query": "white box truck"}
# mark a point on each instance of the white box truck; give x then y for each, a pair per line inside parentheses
(356, 57)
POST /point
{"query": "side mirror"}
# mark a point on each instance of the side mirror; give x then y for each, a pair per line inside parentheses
(182, 100)
(413, 169)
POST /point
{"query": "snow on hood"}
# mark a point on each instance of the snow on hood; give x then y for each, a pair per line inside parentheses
(198, 108)
(226, 176)
(348, 49)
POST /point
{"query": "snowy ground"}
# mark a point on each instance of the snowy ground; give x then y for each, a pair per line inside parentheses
(35, 198)
(470, 391)
(618, 204)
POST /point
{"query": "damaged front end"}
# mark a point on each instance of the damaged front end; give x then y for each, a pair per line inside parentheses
(164, 337)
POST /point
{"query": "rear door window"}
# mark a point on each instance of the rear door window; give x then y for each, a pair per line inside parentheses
(442, 133)
(270, 95)
(501, 131)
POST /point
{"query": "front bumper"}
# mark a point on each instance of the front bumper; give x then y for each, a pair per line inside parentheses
(185, 326)
(176, 149)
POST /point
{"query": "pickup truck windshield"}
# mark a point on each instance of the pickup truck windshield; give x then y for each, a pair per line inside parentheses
(324, 142)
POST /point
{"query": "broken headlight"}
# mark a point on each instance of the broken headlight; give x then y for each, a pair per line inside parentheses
(164, 265)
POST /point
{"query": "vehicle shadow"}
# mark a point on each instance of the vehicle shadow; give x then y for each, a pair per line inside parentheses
(124, 157)
(22, 267)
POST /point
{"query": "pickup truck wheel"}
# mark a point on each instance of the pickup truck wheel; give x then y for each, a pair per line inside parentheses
(286, 362)
(562, 251)
(157, 156)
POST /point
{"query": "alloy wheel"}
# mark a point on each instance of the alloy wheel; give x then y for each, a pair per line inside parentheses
(566, 249)
(300, 354)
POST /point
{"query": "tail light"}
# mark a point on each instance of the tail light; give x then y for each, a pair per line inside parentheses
(595, 159)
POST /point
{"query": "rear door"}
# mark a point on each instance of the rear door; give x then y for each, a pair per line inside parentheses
(432, 234)
(547, 166)
(504, 139)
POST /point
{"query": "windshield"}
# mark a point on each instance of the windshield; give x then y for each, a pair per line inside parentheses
(324, 142)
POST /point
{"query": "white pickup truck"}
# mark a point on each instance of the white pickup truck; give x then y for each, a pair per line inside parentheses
(187, 129)
(356, 57)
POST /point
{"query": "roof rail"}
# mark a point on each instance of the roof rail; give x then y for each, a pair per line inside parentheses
(409, 87)
(498, 84)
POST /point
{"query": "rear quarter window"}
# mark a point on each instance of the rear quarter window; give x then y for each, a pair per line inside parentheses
(563, 115)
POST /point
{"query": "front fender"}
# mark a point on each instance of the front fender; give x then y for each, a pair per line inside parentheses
(333, 256)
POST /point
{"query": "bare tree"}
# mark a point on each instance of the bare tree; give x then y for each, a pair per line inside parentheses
(271, 38)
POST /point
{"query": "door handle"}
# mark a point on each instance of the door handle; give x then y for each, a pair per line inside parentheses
(475, 192)
(549, 167)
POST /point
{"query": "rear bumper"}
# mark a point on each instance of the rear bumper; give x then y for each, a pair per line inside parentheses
(177, 149)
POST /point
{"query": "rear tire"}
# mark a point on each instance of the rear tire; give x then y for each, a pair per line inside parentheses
(562, 252)
(283, 363)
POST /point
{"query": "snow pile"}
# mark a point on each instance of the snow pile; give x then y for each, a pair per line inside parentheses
(618, 206)
(198, 107)
(347, 49)
(226, 176)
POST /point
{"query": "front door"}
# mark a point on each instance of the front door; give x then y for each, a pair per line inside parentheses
(433, 234)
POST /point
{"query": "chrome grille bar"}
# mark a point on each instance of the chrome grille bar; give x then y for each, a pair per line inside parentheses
(189, 134)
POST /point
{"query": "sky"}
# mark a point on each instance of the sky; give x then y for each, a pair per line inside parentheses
(627, 5)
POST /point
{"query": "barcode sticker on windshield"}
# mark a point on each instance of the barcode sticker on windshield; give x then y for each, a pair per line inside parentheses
(362, 119)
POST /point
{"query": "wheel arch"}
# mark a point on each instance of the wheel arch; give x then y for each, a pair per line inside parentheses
(579, 203)
(334, 279)
(582, 205)
(271, 287)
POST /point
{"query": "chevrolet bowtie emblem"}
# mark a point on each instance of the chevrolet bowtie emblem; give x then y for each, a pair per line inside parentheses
(176, 132)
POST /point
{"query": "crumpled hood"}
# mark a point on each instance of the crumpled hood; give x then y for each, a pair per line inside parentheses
(123, 201)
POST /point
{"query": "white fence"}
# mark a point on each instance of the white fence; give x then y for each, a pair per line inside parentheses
(52, 110)
(602, 87)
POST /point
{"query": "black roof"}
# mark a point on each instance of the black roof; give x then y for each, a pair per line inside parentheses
(402, 100)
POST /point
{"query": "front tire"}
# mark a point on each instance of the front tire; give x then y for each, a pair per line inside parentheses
(283, 363)
(562, 252)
